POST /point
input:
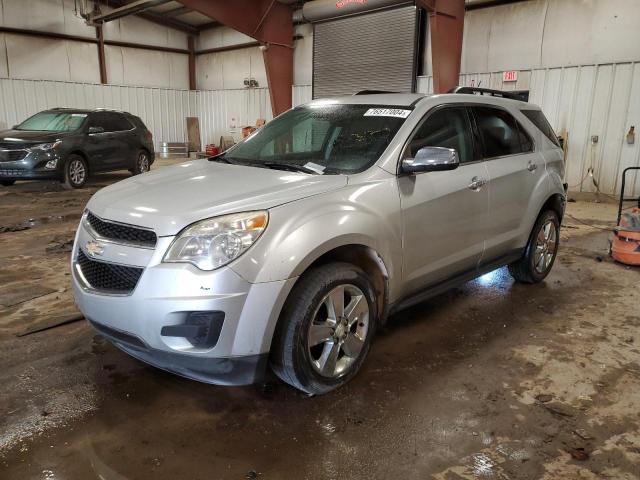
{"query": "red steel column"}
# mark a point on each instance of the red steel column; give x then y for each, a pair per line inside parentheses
(446, 26)
(269, 22)
(192, 62)
(101, 59)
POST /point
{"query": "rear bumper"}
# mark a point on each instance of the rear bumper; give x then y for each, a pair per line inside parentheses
(244, 370)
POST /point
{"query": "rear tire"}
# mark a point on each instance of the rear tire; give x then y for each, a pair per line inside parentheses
(142, 164)
(325, 329)
(541, 251)
(76, 172)
(7, 183)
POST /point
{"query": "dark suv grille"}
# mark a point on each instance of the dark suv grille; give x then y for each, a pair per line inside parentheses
(108, 276)
(117, 231)
(11, 155)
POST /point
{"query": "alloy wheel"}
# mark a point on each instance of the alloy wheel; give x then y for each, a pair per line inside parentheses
(77, 172)
(143, 163)
(545, 248)
(338, 331)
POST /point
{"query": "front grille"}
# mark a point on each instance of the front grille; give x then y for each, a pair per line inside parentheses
(108, 276)
(12, 155)
(119, 232)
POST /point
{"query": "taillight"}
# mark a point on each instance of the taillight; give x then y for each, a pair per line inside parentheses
(149, 135)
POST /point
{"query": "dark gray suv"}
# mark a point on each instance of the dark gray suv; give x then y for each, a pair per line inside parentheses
(69, 144)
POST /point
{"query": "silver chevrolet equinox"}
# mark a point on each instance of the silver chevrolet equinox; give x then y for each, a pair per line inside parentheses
(293, 247)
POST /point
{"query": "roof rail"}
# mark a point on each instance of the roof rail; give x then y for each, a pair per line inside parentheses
(520, 95)
(371, 92)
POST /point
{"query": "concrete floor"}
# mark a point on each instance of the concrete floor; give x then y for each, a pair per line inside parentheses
(491, 380)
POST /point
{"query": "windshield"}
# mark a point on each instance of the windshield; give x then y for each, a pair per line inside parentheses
(327, 138)
(53, 122)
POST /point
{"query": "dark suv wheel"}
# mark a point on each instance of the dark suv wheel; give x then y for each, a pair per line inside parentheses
(541, 250)
(76, 171)
(142, 164)
(326, 328)
(7, 183)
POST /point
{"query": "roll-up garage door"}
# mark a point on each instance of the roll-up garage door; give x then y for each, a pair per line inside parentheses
(370, 51)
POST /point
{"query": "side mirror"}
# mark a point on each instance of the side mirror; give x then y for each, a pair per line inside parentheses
(94, 130)
(431, 159)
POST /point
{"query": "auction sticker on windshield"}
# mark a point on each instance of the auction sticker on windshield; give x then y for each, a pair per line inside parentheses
(387, 112)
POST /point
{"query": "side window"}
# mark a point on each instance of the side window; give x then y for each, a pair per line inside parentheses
(540, 121)
(449, 128)
(525, 139)
(500, 132)
(99, 120)
(117, 122)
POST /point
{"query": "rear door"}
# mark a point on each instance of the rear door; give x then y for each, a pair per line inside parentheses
(515, 169)
(99, 145)
(444, 214)
(124, 141)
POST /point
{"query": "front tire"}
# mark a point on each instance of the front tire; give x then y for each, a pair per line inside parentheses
(541, 251)
(7, 183)
(76, 172)
(325, 329)
(142, 164)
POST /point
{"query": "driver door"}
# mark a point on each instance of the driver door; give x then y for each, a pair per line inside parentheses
(444, 214)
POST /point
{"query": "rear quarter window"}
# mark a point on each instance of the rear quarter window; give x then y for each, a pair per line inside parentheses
(540, 121)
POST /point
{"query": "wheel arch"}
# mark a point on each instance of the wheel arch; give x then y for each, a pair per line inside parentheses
(358, 254)
(80, 153)
(556, 202)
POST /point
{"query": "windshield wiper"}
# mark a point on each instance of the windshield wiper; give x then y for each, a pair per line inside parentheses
(289, 166)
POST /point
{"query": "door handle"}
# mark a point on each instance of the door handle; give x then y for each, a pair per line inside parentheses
(477, 183)
(531, 166)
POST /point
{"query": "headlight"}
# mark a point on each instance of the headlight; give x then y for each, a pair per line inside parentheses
(212, 243)
(46, 146)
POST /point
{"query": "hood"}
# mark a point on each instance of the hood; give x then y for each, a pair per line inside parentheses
(30, 137)
(171, 198)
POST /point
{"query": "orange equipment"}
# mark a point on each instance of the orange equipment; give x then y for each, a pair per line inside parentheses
(625, 245)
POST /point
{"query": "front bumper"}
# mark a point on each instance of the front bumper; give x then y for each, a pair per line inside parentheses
(166, 295)
(244, 370)
(32, 167)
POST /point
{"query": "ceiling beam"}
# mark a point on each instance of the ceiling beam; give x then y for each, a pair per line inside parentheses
(175, 12)
(156, 18)
(208, 26)
(128, 9)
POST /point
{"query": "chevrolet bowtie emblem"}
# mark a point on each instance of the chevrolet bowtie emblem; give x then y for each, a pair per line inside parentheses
(94, 248)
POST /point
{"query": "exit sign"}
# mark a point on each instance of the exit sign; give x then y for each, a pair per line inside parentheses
(510, 76)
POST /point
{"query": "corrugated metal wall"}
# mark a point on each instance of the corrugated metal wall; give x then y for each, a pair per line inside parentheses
(302, 94)
(587, 100)
(225, 111)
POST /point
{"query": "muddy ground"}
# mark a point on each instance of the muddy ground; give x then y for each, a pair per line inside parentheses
(492, 380)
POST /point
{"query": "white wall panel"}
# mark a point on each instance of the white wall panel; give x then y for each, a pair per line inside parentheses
(228, 70)
(582, 101)
(147, 68)
(550, 34)
(302, 94)
(221, 37)
(225, 112)
(39, 58)
(137, 30)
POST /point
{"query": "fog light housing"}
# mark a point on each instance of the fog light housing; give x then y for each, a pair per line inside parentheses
(52, 164)
(201, 329)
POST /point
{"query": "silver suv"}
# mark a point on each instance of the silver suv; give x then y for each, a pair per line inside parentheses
(293, 247)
